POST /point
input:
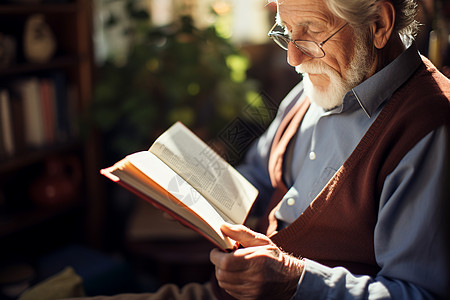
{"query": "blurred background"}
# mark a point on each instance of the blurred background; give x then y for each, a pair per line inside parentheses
(84, 83)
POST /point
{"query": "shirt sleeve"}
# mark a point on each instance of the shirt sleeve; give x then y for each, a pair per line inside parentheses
(410, 235)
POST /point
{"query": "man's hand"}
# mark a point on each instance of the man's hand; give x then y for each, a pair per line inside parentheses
(260, 270)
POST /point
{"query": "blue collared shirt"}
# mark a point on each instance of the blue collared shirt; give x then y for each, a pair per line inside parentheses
(409, 242)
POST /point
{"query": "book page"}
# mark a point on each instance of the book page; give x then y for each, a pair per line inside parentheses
(227, 190)
(193, 207)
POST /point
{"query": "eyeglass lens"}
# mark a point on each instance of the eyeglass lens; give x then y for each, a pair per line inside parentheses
(310, 48)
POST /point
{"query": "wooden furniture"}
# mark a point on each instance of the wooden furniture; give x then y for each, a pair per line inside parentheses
(28, 228)
(164, 249)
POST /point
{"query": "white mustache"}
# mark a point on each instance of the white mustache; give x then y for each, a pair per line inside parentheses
(315, 68)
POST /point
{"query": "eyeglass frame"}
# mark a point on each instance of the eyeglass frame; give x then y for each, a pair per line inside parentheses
(274, 35)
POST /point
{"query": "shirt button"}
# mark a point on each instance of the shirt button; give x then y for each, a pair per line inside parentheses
(290, 201)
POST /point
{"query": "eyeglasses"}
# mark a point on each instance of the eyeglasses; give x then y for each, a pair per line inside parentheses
(309, 48)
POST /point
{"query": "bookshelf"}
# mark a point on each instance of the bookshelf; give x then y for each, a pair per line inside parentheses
(39, 210)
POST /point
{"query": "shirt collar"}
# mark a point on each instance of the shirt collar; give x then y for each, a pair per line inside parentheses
(374, 91)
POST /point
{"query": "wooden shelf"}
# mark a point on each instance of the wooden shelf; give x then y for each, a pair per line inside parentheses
(38, 8)
(56, 63)
(15, 222)
(71, 22)
(35, 156)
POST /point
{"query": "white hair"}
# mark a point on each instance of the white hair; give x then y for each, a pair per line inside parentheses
(361, 13)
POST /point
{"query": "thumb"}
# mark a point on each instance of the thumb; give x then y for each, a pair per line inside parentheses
(245, 236)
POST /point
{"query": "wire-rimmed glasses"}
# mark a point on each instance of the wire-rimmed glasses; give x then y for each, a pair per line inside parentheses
(309, 48)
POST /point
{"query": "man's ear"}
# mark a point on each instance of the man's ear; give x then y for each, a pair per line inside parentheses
(383, 27)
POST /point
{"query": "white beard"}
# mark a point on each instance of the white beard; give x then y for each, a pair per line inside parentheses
(334, 94)
(327, 99)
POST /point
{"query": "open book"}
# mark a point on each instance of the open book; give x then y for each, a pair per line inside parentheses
(181, 175)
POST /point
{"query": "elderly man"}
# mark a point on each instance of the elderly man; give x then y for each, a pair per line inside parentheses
(352, 172)
(358, 161)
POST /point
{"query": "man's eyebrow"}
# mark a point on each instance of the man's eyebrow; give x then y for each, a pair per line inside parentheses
(305, 23)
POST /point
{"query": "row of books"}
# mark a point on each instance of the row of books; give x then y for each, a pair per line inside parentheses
(35, 112)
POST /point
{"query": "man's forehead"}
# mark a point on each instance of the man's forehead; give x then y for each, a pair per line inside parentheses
(296, 2)
(303, 12)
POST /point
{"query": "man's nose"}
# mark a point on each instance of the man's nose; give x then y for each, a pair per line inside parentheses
(295, 56)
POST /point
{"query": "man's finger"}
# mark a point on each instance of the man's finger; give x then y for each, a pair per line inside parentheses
(245, 236)
(238, 261)
(228, 261)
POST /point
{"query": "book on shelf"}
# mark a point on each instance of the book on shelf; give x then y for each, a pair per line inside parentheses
(18, 125)
(183, 176)
(48, 106)
(63, 99)
(44, 109)
(29, 91)
(6, 125)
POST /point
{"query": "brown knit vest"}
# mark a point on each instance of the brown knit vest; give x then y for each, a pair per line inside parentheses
(337, 229)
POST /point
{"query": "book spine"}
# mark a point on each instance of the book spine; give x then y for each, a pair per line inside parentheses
(18, 122)
(61, 106)
(32, 111)
(2, 140)
(48, 110)
(6, 125)
(40, 111)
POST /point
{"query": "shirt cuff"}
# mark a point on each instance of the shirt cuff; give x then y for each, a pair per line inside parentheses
(301, 278)
(312, 277)
(322, 282)
(303, 273)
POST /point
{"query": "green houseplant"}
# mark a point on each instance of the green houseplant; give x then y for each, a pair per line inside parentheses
(172, 73)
